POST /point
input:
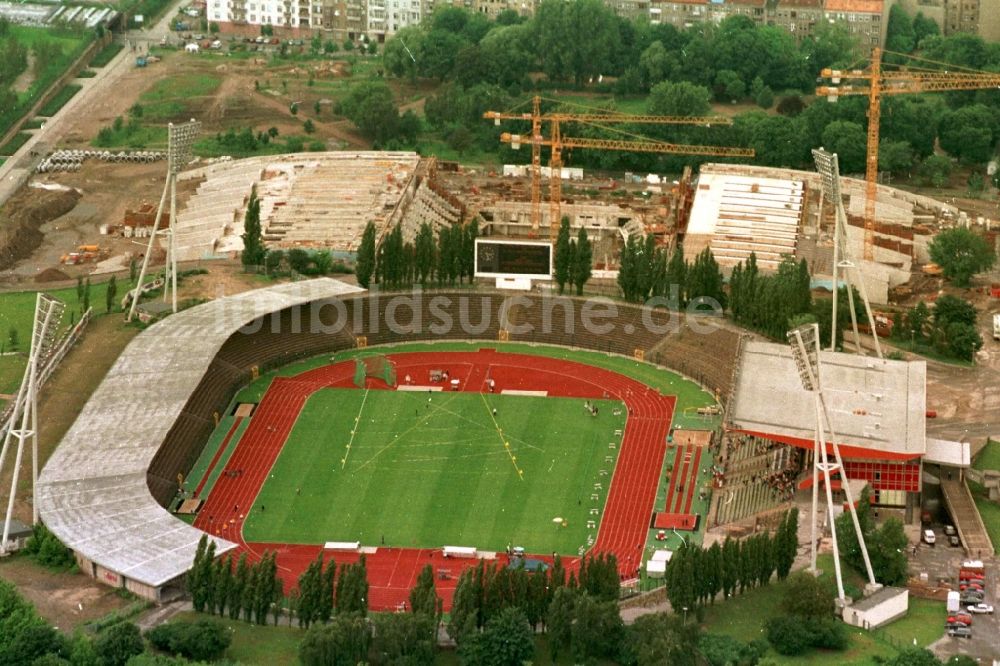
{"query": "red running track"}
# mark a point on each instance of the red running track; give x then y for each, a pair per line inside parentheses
(393, 571)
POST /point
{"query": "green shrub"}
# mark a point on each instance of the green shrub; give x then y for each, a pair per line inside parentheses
(202, 640)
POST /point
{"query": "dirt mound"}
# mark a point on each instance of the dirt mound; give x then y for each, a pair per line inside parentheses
(24, 214)
(51, 275)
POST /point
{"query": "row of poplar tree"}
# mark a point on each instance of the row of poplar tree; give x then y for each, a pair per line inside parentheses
(395, 263)
(574, 259)
(241, 589)
(645, 271)
(697, 575)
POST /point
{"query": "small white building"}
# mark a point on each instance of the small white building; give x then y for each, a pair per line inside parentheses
(19, 534)
(656, 566)
(192, 48)
(879, 608)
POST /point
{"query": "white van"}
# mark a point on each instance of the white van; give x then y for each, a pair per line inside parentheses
(929, 537)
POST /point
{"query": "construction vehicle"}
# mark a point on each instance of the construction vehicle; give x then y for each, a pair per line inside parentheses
(140, 61)
(83, 254)
(918, 76)
(592, 117)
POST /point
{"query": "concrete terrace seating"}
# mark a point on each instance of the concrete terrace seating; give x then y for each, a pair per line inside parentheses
(428, 206)
(709, 358)
(735, 215)
(308, 199)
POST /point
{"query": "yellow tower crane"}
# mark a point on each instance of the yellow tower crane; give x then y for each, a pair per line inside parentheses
(593, 116)
(920, 76)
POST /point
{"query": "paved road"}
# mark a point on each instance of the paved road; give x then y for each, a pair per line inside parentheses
(16, 170)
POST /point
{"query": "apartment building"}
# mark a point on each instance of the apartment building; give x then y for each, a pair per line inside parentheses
(867, 19)
(799, 17)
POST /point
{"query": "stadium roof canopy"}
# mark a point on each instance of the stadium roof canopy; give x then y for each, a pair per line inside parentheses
(92, 493)
(877, 408)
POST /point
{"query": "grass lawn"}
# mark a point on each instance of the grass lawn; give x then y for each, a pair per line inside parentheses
(743, 617)
(59, 101)
(106, 54)
(253, 644)
(988, 457)
(15, 143)
(177, 88)
(17, 310)
(928, 352)
(214, 442)
(988, 510)
(923, 621)
(453, 479)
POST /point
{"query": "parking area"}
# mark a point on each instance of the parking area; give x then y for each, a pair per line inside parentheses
(941, 562)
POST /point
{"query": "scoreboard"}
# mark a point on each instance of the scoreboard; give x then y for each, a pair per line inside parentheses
(513, 259)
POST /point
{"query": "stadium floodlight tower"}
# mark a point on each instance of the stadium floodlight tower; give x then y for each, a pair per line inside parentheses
(828, 167)
(23, 423)
(180, 140)
(804, 342)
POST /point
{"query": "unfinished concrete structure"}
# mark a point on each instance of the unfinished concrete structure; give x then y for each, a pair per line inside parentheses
(315, 200)
(738, 208)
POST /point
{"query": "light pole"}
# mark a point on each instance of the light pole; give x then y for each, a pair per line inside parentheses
(685, 614)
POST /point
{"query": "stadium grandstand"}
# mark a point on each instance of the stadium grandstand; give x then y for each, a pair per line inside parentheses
(106, 490)
(878, 412)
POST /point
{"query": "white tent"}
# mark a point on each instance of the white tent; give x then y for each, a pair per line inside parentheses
(191, 48)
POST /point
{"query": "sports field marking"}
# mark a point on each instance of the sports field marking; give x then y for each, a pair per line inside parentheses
(492, 413)
(354, 430)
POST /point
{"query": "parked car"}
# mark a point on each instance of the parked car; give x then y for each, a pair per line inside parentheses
(971, 599)
(929, 537)
(960, 632)
(964, 618)
(971, 585)
(981, 608)
(950, 530)
(954, 541)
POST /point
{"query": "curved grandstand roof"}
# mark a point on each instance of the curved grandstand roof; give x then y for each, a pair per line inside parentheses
(93, 492)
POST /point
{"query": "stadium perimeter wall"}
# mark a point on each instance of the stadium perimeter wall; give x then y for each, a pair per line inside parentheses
(99, 526)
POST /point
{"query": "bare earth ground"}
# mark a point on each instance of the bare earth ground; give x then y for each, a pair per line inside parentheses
(67, 600)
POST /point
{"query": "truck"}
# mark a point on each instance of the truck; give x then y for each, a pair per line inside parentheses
(996, 327)
(954, 605)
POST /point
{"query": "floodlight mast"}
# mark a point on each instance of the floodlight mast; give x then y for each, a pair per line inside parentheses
(828, 167)
(805, 344)
(180, 141)
(48, 312)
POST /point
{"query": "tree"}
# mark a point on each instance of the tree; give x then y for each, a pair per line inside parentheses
(401, 638)
(118, 643)
(583, 257)
(343, 642)
(917, 319)
(662, 638)
(950, 309)
(564, 255)
(561, 613)
(199, 640)
(597, 630)
(213, 28)
(887, 549)
(423, 597)
(963, 341)
(807, 596)
(365, 266)
(899, 35)
(678, 99)
(308, 126)
(370, 106)
(895, 156)
(506, 640)
(968, 133)
(86, 294)
(729, 87)
(847, 139)
(762, 94)
(936, 170)
(961, 253)
(924, 27)
(253, 245)
(109, 294)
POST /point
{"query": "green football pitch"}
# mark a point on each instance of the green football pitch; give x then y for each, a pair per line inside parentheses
(427, 470)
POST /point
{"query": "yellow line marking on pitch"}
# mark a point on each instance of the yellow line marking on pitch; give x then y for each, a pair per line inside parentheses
(506, 444)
